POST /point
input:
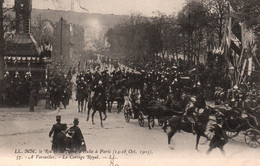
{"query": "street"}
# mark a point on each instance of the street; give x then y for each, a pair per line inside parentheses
(24, 134)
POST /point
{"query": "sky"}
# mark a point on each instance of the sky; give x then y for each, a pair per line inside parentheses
(118, 7)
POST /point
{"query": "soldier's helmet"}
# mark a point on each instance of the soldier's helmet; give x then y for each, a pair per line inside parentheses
(193, 99)
(6, 74)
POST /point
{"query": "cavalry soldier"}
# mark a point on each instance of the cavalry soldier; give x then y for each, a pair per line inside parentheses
(81, 85)
(99, 90)
(189, 113)
(105, 77)
(97, 77)
(56, 128)
(88, 76)
(77, 137)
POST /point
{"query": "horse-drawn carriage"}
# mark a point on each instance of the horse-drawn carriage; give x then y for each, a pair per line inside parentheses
(246, 121)
(132, 108)
(154, 109)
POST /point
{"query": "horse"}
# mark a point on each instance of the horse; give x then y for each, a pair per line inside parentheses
(98, 105)
(115, 94)
(82, 97)
(175, 107)
(157, 109)
(55, 97)
(176, 123)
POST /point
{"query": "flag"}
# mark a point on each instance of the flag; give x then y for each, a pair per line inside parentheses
(243, 69)
(250, 65)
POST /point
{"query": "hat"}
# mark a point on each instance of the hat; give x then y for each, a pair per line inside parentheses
(76, 121)
(99, 82)
(58, 117)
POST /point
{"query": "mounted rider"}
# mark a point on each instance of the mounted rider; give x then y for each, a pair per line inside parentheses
(105, 77)
(190, 114)
(99, 92)
(81, 86)
(88, 77)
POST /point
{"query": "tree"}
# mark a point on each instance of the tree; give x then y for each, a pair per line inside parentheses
(217, 10)
(193, 20)
(2, 65)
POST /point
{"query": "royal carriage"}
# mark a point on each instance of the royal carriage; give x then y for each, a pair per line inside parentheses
(237, 121)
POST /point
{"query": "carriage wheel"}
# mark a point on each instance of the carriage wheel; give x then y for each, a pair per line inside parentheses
(127, 113)
(252, 138)
(141, 120)
(231, 134)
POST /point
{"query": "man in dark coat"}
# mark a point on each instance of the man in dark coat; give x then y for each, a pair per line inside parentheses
(219, 139)
(77, 137)
(62, 141)
(56, 128)
(32, 99)
(100, 95)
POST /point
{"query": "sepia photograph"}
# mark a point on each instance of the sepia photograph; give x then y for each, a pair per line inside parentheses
(130, 82)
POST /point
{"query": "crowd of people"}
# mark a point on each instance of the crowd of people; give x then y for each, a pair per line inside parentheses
(59, 89)
(21, 90)
(160, 80)
(15, 89)
(156, 80)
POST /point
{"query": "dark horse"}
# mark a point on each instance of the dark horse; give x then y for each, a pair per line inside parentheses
(98, 105)
(176, 124)
(115, 94)
(82, 97)
(157, 109)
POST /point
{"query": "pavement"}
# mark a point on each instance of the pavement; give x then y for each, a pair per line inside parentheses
(24, 135)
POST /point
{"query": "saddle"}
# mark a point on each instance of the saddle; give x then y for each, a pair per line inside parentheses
(188, 119)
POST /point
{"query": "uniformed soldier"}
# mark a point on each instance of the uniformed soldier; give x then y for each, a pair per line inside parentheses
(62, 141)
(189, 113)
(77, 137)
(32, 99)
(88, 76)
(99, 90)
(56, 128)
